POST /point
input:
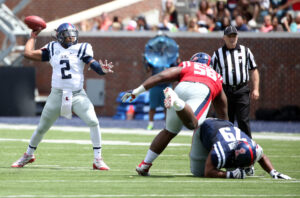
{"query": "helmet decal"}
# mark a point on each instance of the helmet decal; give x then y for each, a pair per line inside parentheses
(251, 152)
(240, 151)
(201, 57)
(245, 154)
(195, 59)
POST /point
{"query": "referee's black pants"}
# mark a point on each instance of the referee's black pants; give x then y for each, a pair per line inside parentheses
(238, 99)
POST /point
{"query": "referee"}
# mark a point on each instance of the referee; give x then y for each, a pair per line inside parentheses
(234, 62)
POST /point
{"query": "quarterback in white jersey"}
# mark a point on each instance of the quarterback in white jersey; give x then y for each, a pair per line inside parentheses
(68, 59)
(64, 75)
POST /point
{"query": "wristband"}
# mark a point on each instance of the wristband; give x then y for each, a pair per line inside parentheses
(139, 90)
(229, 174)
(95, 65)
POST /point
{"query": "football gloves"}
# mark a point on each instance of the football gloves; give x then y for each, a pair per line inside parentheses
(127, 95)
(133, 94)
(236, 174)
(250, 171)
(277, 175)
(106, 67)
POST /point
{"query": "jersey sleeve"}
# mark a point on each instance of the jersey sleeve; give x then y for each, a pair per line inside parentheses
(47, 50)
(85, 50)
(181, 64)
(89, 51)
(214, 62)
(251, 60)
(218, 156)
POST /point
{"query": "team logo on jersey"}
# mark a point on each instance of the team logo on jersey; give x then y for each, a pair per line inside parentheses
(67, 98)
(57, 52)
(64, 57)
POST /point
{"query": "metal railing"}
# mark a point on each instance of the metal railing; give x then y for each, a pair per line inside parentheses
(12, 27)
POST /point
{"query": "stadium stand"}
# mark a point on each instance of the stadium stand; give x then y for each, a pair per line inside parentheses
(276, 53)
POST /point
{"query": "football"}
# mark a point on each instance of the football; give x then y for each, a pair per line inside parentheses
(35, 22)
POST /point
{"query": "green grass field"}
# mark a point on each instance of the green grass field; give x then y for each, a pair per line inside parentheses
(65, 169)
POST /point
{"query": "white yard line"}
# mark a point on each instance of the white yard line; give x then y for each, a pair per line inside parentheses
(88, 142)
(262, 180)
(153, 195)
(267, 135)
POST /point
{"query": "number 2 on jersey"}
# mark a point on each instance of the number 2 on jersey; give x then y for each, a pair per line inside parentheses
(64, 69)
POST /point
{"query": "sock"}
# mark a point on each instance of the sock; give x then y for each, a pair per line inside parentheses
(30, 150)
(96, 140)
(150, 157)
(97, 152)
(36, 138)
(178, 104)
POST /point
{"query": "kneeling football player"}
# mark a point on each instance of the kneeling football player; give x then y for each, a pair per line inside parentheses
(218, 144)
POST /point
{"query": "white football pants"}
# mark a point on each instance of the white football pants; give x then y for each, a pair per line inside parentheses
(198, 155)
(81, 106)
(196, 95)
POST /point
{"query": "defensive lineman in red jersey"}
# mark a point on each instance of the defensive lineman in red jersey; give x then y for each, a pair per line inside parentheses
(187, 105)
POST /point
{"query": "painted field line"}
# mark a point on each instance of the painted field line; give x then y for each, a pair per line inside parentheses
(88, 142)
(195, 180)
(153, 195)
(266, 136)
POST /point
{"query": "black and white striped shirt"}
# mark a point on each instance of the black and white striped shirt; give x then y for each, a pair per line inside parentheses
(233, 64)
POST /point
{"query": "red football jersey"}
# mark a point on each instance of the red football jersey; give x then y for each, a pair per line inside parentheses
(198, 72)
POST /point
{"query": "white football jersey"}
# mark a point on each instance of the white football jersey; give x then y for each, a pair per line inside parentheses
(68, 65)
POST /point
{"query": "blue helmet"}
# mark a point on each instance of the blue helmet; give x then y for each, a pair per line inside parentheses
(66, 30)
(245, 154)
(201, 57)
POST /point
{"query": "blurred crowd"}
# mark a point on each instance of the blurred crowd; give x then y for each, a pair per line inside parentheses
(211, 15)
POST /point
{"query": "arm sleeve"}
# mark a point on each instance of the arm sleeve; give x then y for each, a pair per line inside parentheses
(97, 67)
(46, 51)
(45, 54)
(87, 59)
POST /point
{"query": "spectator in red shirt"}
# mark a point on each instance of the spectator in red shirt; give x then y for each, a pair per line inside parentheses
(267, 26)
(105, 22)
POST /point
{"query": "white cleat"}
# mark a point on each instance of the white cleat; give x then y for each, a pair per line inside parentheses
(170, 97)
(143, 168)
(25, 159)
(99, 164)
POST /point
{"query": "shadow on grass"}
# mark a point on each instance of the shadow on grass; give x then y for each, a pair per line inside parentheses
(162, 176)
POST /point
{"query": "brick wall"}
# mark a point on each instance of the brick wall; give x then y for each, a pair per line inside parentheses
(277, 59)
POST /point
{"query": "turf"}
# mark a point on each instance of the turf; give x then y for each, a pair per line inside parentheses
(65, 170)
